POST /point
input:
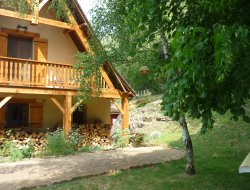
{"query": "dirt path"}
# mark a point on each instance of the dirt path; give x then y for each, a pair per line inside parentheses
(36, 172)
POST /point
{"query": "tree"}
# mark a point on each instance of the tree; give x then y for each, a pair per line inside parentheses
(206, 51)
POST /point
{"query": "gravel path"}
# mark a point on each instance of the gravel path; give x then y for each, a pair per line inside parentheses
(36, 172)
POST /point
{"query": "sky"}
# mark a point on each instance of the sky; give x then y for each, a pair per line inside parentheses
(86, 6)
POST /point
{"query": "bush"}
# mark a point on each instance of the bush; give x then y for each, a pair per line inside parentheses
(15, 152)
(74, 139)
(59, 145)
(120, 139)
(11, 150)
(28, 150)
(85, 149)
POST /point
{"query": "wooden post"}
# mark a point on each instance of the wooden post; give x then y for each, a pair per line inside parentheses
(67, 116)
(125, 116)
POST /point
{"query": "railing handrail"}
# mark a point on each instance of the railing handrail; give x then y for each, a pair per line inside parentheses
(35, 61)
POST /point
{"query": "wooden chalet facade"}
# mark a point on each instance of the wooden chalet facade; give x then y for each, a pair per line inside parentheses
(37, 86)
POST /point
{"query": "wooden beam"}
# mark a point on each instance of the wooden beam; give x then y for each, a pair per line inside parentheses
(4, 101)
(117, 105)
(21, 33)
(55, 23)
(125, 116)
(55, 101)
(76, 105)
(76, 27)
(67, 116)
(42, 4)
(46, 21)
(36, 12)
(36, 90)
(107, 79)
(108, 93)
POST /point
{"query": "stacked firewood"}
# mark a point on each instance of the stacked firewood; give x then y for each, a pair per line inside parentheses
(95, 134)
(22, 138)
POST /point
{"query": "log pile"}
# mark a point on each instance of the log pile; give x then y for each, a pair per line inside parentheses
(95, 135)
(22, 138)
(91, 134)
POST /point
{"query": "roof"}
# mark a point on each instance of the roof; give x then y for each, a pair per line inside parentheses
(117, 79)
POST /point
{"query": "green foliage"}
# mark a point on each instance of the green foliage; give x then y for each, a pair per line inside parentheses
(207, 47)
(85, 149)
(14, 151)
(28, 150)
(74, 139)
(88, 65)
(58, 145)
(20, 6)
(120, 138)
(122, 49)
(23, 7)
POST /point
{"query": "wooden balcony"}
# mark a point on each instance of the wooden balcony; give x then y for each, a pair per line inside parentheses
(30, 73)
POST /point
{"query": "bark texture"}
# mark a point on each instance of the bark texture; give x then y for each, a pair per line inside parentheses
(190, 169)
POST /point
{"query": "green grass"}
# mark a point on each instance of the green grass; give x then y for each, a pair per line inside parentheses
(218, 154)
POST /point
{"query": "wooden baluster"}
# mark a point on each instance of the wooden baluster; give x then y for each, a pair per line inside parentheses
(29, 73)
(65, 76)
(37, 73)
(15, 71)
(33, 73)
(44, 74)
(1, 70)
(11, 71)
(5, 71)
(25, 80)
(59, 74)
(20, 72)
(56, 75)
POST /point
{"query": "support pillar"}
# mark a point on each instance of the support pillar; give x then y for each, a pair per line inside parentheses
(125, 115)
(67, 116)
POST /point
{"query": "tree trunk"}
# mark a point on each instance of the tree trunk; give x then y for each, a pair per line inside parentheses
(164, 44)
(188, 147)
(185, 134)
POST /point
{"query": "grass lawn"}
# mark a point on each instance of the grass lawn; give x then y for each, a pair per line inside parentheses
(218, 155)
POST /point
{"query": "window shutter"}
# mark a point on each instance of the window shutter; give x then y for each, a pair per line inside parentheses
(3, 43)
(2, 116)
(36, 115)
(41, 49)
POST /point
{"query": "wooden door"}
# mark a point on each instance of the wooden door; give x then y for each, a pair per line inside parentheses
(36, 115)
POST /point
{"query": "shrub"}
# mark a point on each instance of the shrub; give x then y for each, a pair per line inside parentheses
(28, 150)
(74, 139)
(119, 139)
(85, 149)
(15, 152)
(10, 149)
(57, 145)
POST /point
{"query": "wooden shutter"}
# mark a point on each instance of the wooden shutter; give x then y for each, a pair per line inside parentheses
(41, 49)
(3, 43)
(36, 115)
(2, 117)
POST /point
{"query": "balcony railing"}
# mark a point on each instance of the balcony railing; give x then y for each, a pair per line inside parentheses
(21, 72)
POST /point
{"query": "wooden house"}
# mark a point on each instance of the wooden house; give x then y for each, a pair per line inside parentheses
(37, 86)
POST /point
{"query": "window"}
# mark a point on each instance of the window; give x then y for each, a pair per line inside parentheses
(19, 47)
(17, 115)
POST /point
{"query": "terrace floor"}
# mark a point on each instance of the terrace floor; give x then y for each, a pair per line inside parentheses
(37, 172)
